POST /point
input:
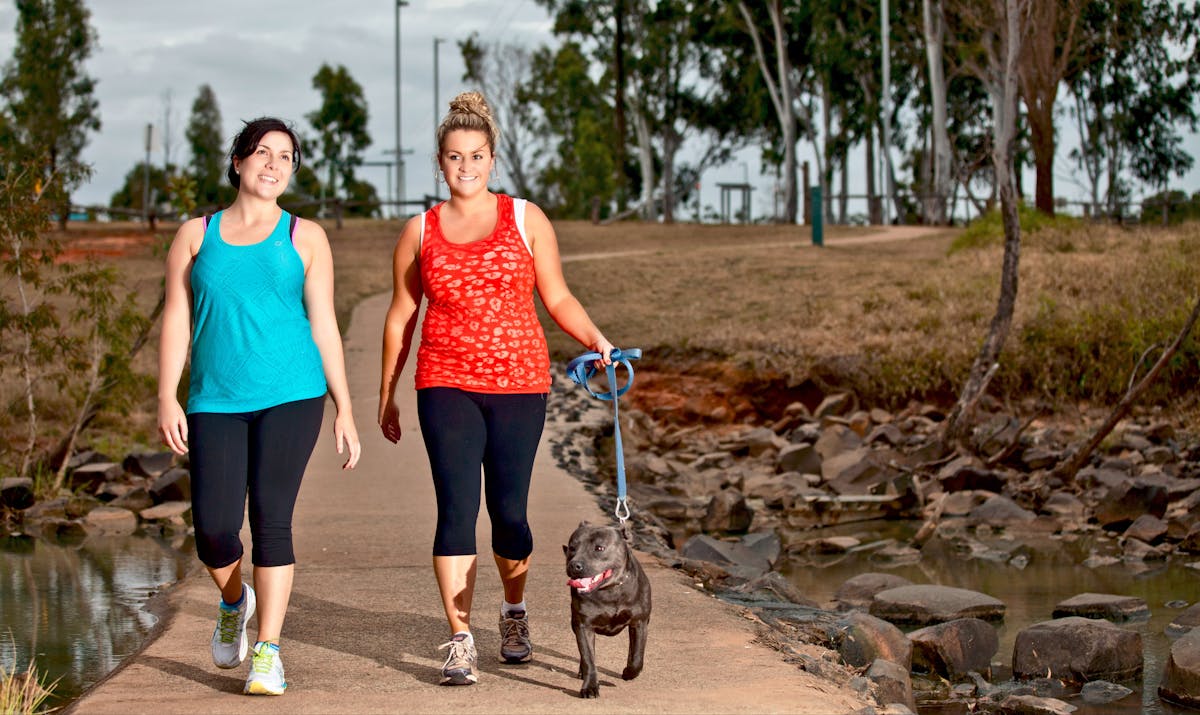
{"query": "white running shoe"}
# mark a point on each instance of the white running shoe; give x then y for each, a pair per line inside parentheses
(266, 671)
(229, 644)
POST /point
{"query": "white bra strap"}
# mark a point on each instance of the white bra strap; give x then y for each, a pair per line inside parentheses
(519, 218)
(421, 237)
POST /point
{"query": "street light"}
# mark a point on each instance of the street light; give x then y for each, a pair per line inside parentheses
(399, 151)
(436, 107)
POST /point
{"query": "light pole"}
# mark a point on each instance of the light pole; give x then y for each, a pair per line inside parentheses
(399, 146)
(886, 102)
(436, 106)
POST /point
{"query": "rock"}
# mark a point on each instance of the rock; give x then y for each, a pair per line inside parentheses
(89, 477)
(858, 591)
(702, 547)
(80, 506)
(1147, 528)
(1033, 705)
(1185, 621)
(1181, 678)
(802, 458)
(148, 464)
(172, 485)
(1000, 511)
(765, 544)
(1036, 458)
(111, 520)
(774, 587)
(713, 460)
(1077, 650)
(891, 685)
(862, 638)
(1135, 551)
(836, 439)
(1127, 501)
(859, 423)
(1103, 605)
(963, 474)
(169, 516)
(837, 404)
(1065, 506)
(1102, 692)
(955, 648)
(64, 531)
(728, 513)
(16, 493)
(853, 472)
(886, 433)
(927, 604)
(47, 510)
(1191, 542)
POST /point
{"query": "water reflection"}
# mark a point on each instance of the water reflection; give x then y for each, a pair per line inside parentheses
(76, 609)
(1051, 574)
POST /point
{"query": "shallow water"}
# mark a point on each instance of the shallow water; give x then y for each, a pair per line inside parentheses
(1030, 593)
(78, 609)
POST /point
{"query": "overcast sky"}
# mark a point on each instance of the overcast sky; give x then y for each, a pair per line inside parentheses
(259, 56)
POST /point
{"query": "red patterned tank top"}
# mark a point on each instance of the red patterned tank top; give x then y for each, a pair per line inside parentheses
(481, 332)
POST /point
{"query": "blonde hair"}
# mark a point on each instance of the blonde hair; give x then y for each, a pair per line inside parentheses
(469, 111)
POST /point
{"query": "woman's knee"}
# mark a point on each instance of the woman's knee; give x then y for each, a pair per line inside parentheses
(218, 549)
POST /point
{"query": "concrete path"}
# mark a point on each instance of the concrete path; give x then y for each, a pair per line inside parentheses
(365, 620)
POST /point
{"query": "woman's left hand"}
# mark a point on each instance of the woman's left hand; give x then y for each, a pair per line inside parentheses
(345, 437)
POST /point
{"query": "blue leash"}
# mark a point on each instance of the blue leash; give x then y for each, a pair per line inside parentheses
(581, 370)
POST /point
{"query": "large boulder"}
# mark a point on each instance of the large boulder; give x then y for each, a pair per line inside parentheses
(111, 520)
(863, 638)
(858, 591)
(1181, 678)
(1077, 650)
(16, 493)
(924, 604)
(955, 648)
(1103, 605)
(172, 485)
(727, 512)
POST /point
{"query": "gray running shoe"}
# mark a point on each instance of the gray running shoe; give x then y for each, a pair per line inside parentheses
(515, 645)
(266, 672)
(229, 644)
(459, 668)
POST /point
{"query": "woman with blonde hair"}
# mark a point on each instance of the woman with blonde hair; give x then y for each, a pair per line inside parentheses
(483, 369)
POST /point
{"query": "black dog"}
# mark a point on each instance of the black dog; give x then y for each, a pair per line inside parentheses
(609, 591)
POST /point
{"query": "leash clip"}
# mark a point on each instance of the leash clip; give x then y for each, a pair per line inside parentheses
(622, 510)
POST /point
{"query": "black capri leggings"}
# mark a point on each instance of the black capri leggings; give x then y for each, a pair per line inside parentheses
(464, 430)
(263, 452)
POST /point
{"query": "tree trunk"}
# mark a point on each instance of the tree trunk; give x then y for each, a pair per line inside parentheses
(779, 86)
(1004, 129)
(641, 129)
(935, 33)
(874, 213)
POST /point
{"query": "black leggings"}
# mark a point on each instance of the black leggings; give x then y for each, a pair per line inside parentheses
(264, 452)
(464, 430)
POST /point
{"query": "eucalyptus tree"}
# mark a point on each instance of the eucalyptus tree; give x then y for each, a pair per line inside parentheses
(1133, 83)
(1001, 26)
(49, 99)
(499, 69)
(933, 25)
(341, 126)
(204, 137)
(575, 113)
(1045, 58)
(656, 59)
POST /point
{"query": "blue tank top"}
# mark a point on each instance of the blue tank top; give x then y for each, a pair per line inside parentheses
(252, 345)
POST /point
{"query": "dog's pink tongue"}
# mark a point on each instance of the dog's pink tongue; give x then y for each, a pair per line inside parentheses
(589, 582)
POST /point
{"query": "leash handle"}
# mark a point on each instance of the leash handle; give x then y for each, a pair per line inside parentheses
(581, 370)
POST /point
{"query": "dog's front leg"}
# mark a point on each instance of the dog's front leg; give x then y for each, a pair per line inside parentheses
(585, 638)
(637, 650)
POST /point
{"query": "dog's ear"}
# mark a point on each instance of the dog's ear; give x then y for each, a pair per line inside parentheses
(566, 552)
(583, 523)
(626, 532)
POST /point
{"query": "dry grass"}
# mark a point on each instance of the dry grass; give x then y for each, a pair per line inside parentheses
(891, 320)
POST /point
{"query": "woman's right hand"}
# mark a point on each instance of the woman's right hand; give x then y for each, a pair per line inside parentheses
(389, 420)
(172, 425)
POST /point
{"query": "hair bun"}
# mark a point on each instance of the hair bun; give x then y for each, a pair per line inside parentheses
(471, 103)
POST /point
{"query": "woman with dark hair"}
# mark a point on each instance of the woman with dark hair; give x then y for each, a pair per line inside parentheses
(250, 291)
(483, 370)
